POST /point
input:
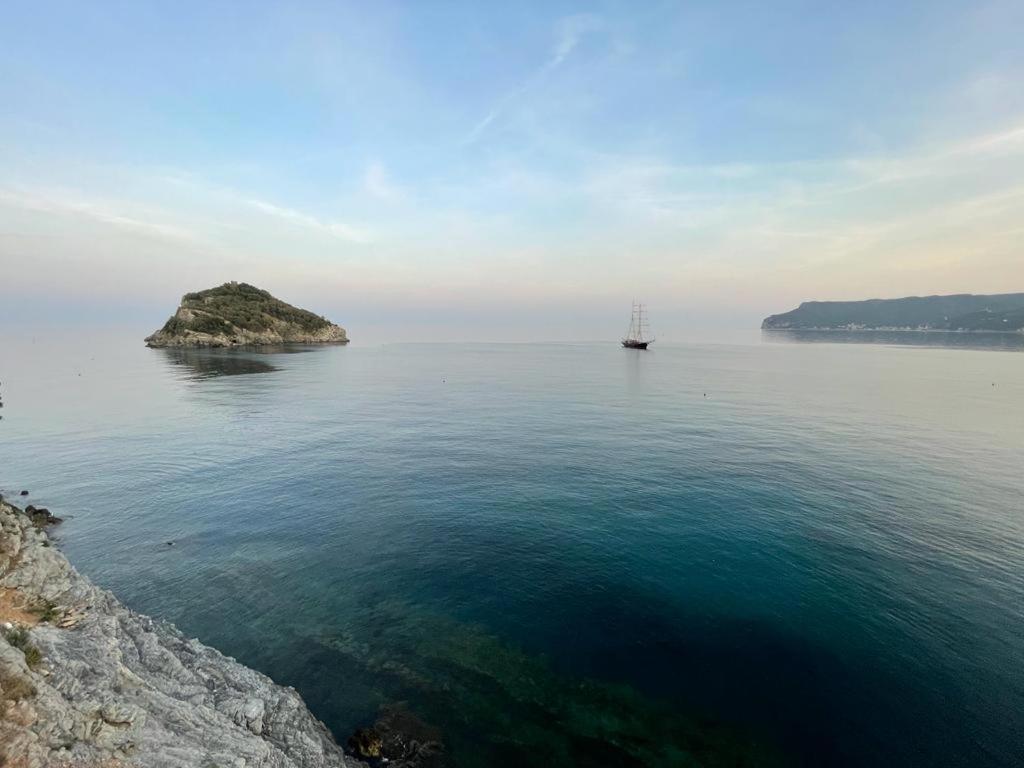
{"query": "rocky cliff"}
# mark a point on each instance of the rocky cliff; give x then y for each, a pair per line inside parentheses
(238, 314)
(86, 682)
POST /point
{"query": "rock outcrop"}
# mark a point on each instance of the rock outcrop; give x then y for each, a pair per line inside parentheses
(85, 681)
(238, 314)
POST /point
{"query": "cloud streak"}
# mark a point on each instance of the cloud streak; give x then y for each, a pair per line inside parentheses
(298, 218)
(102, 212)
(570, 31)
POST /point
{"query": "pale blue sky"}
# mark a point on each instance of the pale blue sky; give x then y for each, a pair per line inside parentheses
(496, 170)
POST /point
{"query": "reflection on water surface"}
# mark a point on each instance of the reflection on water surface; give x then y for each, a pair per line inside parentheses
(945, 339)
(206, 363)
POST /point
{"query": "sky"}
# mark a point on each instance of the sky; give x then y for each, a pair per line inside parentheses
(507, 171)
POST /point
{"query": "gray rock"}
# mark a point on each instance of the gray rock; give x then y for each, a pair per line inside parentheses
(120, 688)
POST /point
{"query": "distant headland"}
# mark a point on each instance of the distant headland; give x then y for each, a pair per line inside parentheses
(1002, 312)
(239, 314)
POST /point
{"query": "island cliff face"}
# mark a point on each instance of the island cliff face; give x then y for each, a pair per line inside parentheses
(961, 312)
(238, 314)
(85, 681)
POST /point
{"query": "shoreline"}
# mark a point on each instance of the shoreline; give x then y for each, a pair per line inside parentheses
(892, 330)
(86, 681)
(206, 344)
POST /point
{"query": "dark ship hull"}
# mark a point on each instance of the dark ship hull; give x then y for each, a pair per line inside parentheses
(635, 344)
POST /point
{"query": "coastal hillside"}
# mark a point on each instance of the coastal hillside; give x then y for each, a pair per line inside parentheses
(85, 681)
(960, 312)
(238, 314)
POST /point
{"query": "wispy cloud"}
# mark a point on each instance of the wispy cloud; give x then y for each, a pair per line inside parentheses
(1008, 141)
(570, 31)
(109, 213)
(934, 161)
(377, 182)
(334, 228)
(662, 185)
(478, 129)
(234, 198)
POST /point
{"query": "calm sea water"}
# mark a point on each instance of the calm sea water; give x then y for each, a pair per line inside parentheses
(808, 553)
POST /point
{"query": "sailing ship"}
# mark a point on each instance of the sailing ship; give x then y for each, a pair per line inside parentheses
(636, 336)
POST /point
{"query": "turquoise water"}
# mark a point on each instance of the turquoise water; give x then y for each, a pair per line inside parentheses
(757, 553)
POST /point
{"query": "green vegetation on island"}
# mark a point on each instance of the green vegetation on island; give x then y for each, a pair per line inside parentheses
(241, 314)
(960, 312)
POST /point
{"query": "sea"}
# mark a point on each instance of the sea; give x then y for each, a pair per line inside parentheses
(793, 549)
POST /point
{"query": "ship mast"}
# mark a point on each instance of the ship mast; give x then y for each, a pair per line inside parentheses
(638, 330)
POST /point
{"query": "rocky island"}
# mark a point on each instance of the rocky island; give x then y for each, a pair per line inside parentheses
(84, 681)
(961, 312)
(239, 314)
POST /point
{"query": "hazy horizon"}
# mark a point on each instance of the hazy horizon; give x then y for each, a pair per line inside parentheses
(456, 171)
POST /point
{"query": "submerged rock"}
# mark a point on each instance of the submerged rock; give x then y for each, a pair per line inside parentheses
(408, 742)
(366, 742)
(399, 739)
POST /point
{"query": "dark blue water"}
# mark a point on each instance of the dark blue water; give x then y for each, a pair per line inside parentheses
(566, 554)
